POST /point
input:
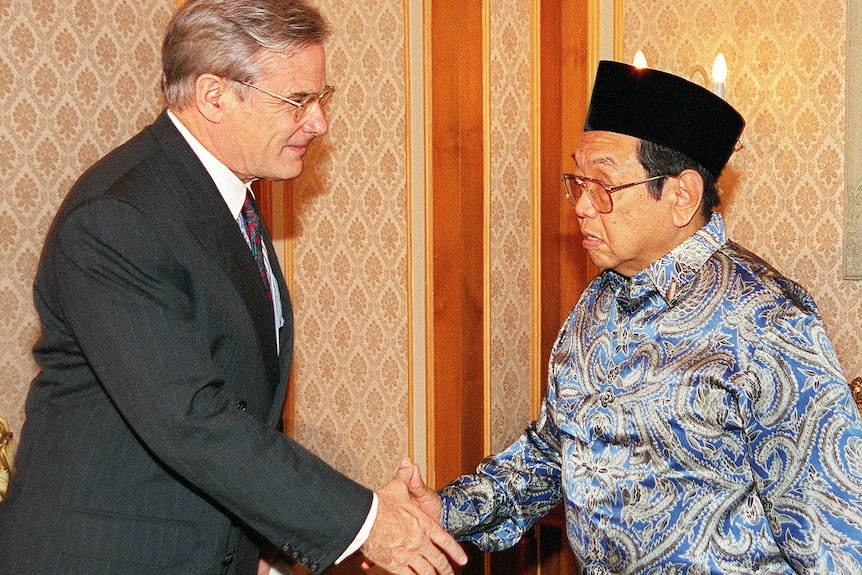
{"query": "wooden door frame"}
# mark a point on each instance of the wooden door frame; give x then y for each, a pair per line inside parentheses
(456, 235)
(457, 196)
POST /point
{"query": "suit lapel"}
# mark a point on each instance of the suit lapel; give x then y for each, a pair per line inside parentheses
(210, 222)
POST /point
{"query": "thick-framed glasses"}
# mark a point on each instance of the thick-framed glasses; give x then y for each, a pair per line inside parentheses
(302, 102)
(598, 193)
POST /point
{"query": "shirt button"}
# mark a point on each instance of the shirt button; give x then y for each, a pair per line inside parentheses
(241, 405)
(227, 559)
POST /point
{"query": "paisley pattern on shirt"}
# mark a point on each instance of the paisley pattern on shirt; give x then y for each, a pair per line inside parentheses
(697, 422)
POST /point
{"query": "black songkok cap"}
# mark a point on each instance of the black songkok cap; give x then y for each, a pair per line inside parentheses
(666, 110)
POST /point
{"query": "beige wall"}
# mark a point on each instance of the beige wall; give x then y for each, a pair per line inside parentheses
(76, 79)
(785, 188)
(510, 220)
(350, 280)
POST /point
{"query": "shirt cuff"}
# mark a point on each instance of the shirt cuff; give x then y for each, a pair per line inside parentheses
(363, 533)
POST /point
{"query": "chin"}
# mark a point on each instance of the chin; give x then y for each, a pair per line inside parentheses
(598, 262)
(292, 171)
(283, 174)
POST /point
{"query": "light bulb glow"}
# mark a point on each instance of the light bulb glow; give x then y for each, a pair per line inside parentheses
(719, 69)
(719, 75)
(640, 60)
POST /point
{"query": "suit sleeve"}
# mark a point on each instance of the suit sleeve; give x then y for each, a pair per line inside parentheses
(123, 288)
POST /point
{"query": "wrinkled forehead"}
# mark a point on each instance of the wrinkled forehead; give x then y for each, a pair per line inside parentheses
(306, 62)
(607, 150)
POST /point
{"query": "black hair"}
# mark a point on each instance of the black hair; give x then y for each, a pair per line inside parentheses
(660, 160)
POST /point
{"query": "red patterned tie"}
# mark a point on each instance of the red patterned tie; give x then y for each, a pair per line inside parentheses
(252, 225)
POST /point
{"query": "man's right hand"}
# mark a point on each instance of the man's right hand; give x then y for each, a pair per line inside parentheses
(404, 539)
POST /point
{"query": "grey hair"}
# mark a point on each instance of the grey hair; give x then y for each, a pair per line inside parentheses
(228, 38)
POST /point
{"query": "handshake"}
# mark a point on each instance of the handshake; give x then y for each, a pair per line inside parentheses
(406, 537)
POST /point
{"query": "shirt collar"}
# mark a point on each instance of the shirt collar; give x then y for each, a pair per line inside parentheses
(231, 188)
(672, 274)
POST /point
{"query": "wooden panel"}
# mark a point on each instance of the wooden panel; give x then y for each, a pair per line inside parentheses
(856, 388)
(565, 267)
(263, 194)
(457, 234)
(456, 381)
(576, 269)
(563, 100)
(551, 198)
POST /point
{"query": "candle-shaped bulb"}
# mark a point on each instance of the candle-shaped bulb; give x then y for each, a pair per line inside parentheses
(640, 60)
(719, 75)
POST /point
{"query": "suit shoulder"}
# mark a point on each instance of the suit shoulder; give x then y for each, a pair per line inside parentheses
(152, 164)
(103, 176)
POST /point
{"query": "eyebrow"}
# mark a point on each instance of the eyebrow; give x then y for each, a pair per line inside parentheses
(601, 161)
(612, 162)
(604, 161)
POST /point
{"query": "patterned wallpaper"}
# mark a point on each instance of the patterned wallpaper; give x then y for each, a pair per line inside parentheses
(510, 220)
(78, 78)
(350, 268)
(784, 190)
(853, 127)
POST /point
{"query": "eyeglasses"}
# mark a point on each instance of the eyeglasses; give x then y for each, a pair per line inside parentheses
(302, 102)
(598, 193)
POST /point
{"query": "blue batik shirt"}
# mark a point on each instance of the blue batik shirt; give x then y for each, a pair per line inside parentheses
(696, 422)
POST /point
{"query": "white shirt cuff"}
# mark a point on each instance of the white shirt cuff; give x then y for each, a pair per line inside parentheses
(363, 533)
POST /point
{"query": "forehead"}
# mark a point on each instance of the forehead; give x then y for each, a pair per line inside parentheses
(606, 149)
(303, 69)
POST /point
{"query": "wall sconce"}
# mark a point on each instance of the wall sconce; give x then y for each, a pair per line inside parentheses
(719, 72)
(719, 75)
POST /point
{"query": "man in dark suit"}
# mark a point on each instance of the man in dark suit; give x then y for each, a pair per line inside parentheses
(151, 442)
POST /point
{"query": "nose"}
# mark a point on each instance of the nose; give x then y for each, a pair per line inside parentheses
(584, 207)
(315, 120)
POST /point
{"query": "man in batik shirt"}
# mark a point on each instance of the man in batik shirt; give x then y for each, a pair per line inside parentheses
(697, 420)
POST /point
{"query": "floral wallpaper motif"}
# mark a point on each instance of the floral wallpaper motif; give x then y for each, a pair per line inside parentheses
(784, 189)
(349, 253)
(510, 221)
(78, 78)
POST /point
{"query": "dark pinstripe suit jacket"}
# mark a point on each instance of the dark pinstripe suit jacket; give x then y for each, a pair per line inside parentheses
(150, 444)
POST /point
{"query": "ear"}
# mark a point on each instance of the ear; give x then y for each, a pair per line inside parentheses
(688, 194)
(211, 93)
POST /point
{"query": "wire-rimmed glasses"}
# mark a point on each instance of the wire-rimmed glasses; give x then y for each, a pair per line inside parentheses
(598, 193)
(302, 102)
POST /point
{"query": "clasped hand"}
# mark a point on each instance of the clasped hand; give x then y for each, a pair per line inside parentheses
(406, 537)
